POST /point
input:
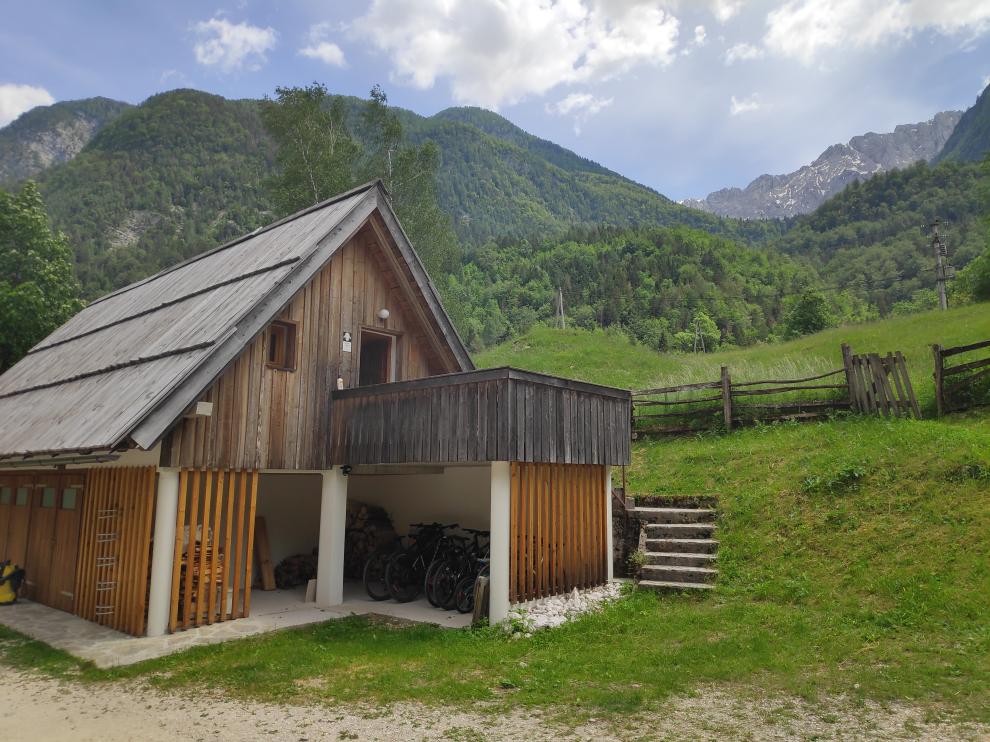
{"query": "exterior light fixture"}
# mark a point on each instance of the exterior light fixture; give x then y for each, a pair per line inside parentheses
(383, 314)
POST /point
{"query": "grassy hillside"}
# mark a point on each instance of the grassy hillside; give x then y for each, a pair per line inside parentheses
(610, 358)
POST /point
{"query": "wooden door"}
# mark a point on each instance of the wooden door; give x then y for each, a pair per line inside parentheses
(19, 521)
(6, 505)
(68, 516)
(41, 537)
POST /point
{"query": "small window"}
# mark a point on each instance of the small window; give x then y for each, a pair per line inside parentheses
(48, 497)
(69, 499)
(282, 346)
(22, 497)
(5, 494)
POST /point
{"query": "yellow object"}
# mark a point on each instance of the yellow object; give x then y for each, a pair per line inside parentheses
(11, 577)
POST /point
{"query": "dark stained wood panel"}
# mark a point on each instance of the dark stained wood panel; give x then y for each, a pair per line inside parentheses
(265, 418)
(490, 415)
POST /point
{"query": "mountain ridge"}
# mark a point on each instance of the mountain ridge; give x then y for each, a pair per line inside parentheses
(50, 135)
(805, 189)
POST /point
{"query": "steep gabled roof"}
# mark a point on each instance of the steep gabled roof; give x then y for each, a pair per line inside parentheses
(127, 366)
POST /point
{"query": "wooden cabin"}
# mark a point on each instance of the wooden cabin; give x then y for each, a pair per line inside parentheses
(278, 377)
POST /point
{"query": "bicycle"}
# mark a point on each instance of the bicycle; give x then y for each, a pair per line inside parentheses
(465, 591)
(444, 574)
(406, 569)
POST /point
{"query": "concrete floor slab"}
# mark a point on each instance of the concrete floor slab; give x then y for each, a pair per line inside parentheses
(270, 611)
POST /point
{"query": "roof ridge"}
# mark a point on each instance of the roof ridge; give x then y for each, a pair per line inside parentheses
(260, 230)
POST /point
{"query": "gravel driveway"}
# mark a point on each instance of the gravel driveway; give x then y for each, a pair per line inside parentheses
(40, 709)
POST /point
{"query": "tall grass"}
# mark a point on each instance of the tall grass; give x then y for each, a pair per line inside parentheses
(611, 358)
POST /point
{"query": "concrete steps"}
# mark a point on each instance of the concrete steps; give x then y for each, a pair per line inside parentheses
(676, 515)
(681, 550)
(679, 559)
(682, 545)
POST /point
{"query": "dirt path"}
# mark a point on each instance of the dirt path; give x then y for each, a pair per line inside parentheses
(40, 709)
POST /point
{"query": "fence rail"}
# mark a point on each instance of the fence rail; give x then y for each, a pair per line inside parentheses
(962, 386)
(868, 383)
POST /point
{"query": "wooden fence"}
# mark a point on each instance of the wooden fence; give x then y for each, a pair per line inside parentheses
(962, 386)
(558, 539)
(868, 383)
(214, 554)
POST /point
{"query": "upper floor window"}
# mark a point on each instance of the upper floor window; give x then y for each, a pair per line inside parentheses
(281, 351)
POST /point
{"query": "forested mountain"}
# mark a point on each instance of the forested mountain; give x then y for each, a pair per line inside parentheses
(50, 135)
(185, 170)
(970, 142)
(655, 283)
(801, 192)
(163, 181)
(873, 238)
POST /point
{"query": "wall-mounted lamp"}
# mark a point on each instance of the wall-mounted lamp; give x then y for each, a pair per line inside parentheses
(383, 314)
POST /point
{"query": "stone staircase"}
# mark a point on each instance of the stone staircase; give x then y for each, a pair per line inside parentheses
(680, 545)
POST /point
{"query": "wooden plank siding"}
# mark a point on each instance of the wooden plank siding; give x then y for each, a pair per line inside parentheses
(491, 415)
(557, 529)
(113, 563)
(265, 418)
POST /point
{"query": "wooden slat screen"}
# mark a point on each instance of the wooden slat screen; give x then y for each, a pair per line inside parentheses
(558, 521)
(214, 541)
(114, 547)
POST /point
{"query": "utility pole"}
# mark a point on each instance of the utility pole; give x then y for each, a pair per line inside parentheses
(560, 308)
(943, 271)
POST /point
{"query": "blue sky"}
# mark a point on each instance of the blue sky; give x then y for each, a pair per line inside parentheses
(683, 96)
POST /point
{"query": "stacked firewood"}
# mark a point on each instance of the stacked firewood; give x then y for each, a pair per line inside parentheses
(295, 570)
(368, 528)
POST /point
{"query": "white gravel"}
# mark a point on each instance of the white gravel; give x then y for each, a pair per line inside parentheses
(551, 612)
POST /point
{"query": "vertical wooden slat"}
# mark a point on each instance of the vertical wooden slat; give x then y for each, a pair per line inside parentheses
(250, 542)
(907, 384)
(237, 609)
(215, 552)
(180, 526)
(205, 560)
(187, 610)
(227, 561)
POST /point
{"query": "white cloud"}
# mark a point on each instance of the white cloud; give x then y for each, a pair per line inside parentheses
(232, 46)
(724, 10)
(325, 51)
(742, 51)
(743, 105)
(500, 51)
(581, 106)
(319, 47)
(16, 99)
(803, 29)
(700, 37)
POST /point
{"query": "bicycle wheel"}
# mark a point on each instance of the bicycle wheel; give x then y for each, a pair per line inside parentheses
(374, 574)
(445, 584)
(401, 579)
(429, 583)
(464, 595)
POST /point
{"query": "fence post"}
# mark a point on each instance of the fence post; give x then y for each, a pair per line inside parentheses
(847, 365)
(727, 398)
(939, 371)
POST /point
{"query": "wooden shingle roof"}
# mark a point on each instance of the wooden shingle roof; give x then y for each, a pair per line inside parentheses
(126, 367)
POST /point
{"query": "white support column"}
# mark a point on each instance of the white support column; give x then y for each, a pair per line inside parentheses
(160, 589)
(608, 521)
(333, 524)
(498, 581)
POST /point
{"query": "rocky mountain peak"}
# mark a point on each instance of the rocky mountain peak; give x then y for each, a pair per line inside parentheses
(802, 191)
